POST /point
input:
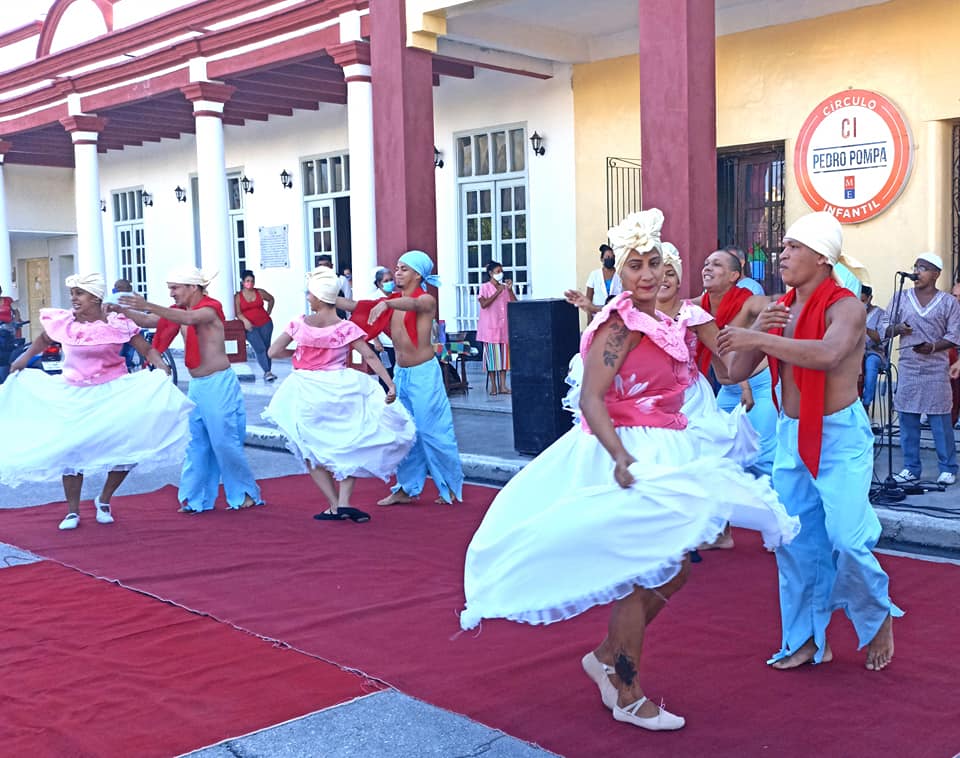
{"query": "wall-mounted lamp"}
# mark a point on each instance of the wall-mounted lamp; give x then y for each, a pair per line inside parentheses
(147, 199)
(103, 206)
(437, 158)
(536, 141)
(246, 185)
(181, 194)
(285, 179)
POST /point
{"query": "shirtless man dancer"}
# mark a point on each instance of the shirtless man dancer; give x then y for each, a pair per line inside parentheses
(408, 314)
(218, 423)
(814, 337)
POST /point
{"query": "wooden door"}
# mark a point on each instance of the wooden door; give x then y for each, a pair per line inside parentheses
(38, 291)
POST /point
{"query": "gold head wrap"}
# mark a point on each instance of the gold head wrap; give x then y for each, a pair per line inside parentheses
(92, 283)
(639, 231)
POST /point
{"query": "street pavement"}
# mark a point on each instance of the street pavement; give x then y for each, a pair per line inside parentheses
(390, 724)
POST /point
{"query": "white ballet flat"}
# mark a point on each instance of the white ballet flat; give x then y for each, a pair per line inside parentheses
(70, 521)
(103, 511)
(600, 673)
(662, 722)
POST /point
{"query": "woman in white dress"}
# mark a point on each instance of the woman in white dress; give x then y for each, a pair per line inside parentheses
(337, 419)
(610, 511)
(94, 418)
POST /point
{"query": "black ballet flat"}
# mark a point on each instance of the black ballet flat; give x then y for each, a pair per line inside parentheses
(340, 515)
(355, 514)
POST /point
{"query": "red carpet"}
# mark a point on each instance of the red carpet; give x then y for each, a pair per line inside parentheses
(92, 669)
(382, 597)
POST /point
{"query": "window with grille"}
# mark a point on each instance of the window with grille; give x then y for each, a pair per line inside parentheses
(493, 210)
(750, 199)
(130, 238)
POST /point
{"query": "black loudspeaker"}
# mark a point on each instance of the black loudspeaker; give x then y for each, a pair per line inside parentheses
(544, 336)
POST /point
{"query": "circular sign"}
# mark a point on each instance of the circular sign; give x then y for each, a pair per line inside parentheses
(853, 156)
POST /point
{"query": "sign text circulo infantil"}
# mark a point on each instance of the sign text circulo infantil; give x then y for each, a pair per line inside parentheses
(853, 155)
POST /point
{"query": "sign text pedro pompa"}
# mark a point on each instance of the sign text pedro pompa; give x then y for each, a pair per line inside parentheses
(853, 155)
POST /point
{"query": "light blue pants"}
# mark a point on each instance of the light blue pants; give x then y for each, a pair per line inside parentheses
(218, 427)
(829, 565)
(434, 452)
(941, 427)
(762, 417)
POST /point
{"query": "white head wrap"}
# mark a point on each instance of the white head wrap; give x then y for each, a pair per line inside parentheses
(671, 257)
(639, 231)
(822, 233)
(323, 284)
(92, 283)
(190, 275)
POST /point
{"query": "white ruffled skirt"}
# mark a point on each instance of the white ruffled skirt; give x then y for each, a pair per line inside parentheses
(562, 536)
(728, 435)
(53, 428)
(338, 420)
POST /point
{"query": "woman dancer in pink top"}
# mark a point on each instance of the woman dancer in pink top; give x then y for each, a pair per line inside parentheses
(336, 419)
(494, 295)
(609, 512)
(95, 418)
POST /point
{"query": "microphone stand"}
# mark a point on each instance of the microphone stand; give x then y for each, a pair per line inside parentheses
(891, 491)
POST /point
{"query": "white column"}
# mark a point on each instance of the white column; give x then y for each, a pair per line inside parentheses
(90, 257)
(363, 215)
(216, 253)
(6, 259)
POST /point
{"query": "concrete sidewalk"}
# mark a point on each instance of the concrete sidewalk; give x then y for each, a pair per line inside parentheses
(484, 427)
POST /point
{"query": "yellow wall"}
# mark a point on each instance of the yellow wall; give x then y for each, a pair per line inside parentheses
(768, 81)
(606, 105)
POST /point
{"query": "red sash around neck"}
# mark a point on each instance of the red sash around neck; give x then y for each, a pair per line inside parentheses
(167, 331)
(730, 305)
(362, 313)
(811, 325)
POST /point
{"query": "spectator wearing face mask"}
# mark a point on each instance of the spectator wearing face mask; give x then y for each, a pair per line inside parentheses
(494, 295)
(604, 282)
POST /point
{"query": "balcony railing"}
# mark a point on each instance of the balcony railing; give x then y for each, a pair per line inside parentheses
(468, 306)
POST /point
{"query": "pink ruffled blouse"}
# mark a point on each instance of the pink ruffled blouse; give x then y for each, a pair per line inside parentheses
(648, 389)
(91, 349)
(691, 315)
(322, 348)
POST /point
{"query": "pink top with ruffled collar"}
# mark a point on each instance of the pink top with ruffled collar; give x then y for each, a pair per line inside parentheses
(648, 389)
(91, 349)
(322, 348)
(689, 316)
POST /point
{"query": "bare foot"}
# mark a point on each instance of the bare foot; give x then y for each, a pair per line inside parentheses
(441, 501)
(804, 655)
(880, 649)
(396, 498)
(248, 502)
(723, 542)
(505, 392)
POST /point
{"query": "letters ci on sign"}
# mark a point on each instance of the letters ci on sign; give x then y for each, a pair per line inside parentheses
(853, 156)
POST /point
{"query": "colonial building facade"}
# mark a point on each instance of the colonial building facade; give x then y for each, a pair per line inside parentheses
(261, 134)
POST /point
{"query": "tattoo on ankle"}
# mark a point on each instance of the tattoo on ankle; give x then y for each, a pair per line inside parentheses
(625, 668)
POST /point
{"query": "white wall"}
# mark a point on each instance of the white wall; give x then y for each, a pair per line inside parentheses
(261, 150)
(490, 99)
(39, 199)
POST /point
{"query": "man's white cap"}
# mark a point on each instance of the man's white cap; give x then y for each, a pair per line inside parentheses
(933, 259)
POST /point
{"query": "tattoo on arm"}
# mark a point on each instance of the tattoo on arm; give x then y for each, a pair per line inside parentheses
(625, 669)
(614, 344)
